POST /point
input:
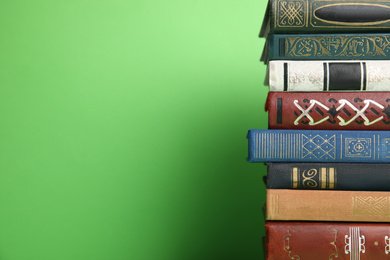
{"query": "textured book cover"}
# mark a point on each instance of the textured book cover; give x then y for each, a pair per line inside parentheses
(328, 205)
(330, 16)
(329, 176)
(313, 76)
(328, 47)
(318, 146)
(352, 110)
(327, 241)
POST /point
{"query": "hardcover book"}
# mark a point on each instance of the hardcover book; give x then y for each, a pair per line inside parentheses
(313, 76)
(318, 146)
(327, 47)
(328, 176)
(329, 110)
(313, 16)
(327, 241)
(328, 205)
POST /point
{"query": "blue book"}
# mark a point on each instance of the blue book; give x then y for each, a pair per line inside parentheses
(327, 47)
(318, 146)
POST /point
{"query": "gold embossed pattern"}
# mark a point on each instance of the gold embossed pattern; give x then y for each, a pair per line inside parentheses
(337, 46)
(371, 206)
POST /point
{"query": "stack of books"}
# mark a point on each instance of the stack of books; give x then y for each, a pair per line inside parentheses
(328, 144)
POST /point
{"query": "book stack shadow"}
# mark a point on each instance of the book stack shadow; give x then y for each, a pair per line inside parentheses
(327, 148)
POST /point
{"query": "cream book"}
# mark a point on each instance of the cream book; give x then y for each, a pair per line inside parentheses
(314, 76)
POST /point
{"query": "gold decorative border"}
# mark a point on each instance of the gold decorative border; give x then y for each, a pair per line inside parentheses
(351, 24)
(311, 12)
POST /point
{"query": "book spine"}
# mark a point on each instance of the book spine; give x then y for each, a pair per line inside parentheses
(312, 16)
(329, 110)
(314, 76)
(326, 241)
(318, 146)
(329, 47)
(329, 205)
(329, 176)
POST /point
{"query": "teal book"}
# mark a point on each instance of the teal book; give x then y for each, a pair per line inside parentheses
(326, 16)
(318, 146)
(327, 47)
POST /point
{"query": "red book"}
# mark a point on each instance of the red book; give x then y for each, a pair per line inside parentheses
(327, 241)
(329, 110)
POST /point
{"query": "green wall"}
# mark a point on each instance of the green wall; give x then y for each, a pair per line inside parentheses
(122, 130)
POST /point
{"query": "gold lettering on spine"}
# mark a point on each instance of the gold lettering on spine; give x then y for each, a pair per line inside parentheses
(323, 178)
(295, 178)
(331, 178)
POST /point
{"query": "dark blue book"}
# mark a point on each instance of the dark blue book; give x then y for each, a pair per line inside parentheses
(327, 47)
(318, 146)
(329, 176)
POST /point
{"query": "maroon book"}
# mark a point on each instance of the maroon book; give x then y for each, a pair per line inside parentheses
(327, 241)
(329, 110)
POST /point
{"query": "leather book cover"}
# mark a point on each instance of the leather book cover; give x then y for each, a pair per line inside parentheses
(329, 176)
(318, 146)
(327, 241)
(327, 47)
(322, 75)
(328, 205)
(327, 16)
(329, 110)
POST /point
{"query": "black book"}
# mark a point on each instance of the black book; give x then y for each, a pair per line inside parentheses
(329, 176)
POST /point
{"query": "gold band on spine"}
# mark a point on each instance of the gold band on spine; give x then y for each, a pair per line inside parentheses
(331, 178)
(323, 178)
(295, 178)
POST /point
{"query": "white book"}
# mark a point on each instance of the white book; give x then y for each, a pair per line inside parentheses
(312, 76)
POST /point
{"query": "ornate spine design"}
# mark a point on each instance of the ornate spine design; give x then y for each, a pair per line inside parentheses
(337, 46)
(287, 246)
(313, 178)
(291, 13)
(354, 244)
(371, 206)
(317, 146)
(344, 113)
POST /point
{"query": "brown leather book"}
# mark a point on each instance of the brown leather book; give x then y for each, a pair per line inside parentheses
(327, 241)
(329, 110)
(326, 205)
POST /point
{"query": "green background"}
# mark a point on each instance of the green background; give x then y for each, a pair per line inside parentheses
(122, 130)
